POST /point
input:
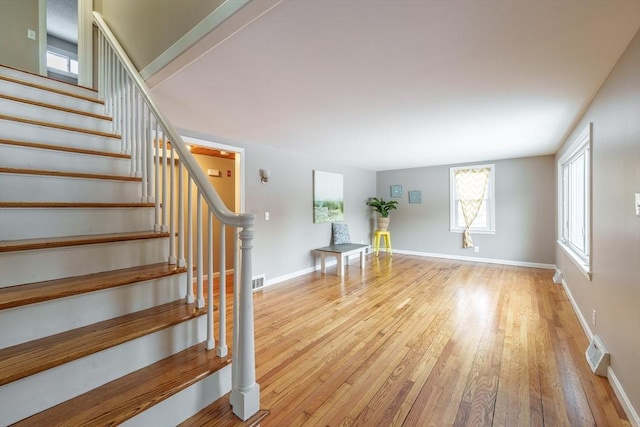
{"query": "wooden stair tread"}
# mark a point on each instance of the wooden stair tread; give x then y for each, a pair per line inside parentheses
(49, 78)
(41, 146)
(31, 293)
(58, 126)
(53, 90)
(220, 414)
(125, 397)
(55, 107)
(70, 174)
(35, 356)
(72, 205)
(89, 239)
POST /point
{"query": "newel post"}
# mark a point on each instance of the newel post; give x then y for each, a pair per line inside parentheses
(245, 393)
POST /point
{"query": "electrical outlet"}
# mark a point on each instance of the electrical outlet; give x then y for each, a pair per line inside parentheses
(476, 249)
(593, 317)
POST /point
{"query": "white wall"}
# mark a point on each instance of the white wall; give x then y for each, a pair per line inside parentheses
(524, 212)
(283, 245)
(614, 291)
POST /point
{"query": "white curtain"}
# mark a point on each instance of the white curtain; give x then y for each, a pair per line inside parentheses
(471, 185)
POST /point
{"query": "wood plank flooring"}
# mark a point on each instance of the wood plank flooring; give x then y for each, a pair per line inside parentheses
(418, 341)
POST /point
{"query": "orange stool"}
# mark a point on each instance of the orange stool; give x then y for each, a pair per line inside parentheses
(387, 241)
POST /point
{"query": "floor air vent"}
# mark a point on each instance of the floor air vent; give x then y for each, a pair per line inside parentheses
(257, 282)
(597, 356)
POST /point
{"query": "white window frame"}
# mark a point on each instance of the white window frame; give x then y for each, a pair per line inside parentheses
(578, 147)
(490, 196)
(70, 56)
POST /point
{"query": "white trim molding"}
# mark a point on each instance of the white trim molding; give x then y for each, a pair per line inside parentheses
(484, 260)
(215, 18)
(224, 30)
(42, 37)
(578, 252)
(85, 43)
(634, 418)
(611, 376)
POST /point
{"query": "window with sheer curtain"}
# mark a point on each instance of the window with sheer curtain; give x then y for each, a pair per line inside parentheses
(472, 200)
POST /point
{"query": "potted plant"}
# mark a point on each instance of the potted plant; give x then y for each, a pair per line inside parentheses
(383, 209)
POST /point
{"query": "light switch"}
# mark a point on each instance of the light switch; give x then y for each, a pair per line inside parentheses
(31, 34)
(266, 216)
(638, 204)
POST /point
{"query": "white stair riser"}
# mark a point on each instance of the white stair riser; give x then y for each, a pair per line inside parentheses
(46, 264)
(33, 394)
(42, 95)
(52, 317)
(10, 129)
(14, 156)
(43, 81)
(183, 405)
(59, 222)
(42, 188)
(52, 115)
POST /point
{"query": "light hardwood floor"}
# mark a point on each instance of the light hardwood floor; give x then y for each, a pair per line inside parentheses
(420, 341)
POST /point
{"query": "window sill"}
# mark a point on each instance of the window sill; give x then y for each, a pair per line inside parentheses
(461, 230)
(584, 267)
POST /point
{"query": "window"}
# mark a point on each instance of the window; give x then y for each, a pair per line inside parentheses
(62, 62)
(574, 200)
(472, 190)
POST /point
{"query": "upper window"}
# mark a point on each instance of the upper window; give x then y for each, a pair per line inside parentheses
(574, 200)
(472, 198)
(62, 62)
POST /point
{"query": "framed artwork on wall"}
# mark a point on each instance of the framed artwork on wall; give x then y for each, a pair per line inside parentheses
(415, 196)
(328, 197)
(396, 191)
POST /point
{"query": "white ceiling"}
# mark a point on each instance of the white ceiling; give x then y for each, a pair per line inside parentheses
(391, 84)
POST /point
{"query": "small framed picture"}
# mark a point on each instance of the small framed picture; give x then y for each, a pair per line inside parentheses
(415, 196)
(396, 191)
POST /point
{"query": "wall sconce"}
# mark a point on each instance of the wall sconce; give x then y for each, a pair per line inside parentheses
(264, 175)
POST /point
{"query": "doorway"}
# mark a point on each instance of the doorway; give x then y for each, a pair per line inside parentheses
(224, 166)
(66, 50)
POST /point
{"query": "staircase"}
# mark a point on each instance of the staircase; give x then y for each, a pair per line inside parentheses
(89, 305)
(96, 326)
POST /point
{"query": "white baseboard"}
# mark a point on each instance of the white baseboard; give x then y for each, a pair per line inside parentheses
(576, 310)
(304, 271)
(634, 418)
(474, 259)
(293, 275)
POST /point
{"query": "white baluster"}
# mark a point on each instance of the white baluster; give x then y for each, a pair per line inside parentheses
(144, 145)
(211, 343)
(222, 349)
(190, 297)
(200, 263)
(181, 260)
(172, 229)
(156, 172)
(149, 150)
(138, 120)
(165, 202)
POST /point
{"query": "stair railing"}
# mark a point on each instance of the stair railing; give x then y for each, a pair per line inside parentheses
(161, 158)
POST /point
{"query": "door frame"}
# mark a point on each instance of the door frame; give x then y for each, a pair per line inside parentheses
(239, 179)
(85, 40)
